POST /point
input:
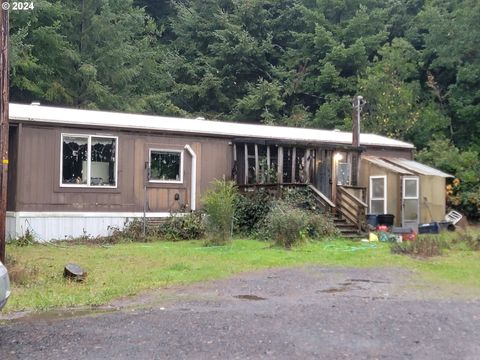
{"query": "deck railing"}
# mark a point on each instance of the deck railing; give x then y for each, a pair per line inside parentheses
(324, 201)
(352, 208)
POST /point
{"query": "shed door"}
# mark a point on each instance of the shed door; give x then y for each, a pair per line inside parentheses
(410, 209)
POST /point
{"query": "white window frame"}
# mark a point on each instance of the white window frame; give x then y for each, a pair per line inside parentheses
(170, 151)
(404, 180)
(370, 196)
(89, 160)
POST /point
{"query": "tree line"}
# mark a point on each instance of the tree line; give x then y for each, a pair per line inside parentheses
(289, 62)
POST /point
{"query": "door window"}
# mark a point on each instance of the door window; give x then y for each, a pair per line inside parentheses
(410, 201)
(378, 194)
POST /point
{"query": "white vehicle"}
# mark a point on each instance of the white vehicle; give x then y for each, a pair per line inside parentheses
(4, 286)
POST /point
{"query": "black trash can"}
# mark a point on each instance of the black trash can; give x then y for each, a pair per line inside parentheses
(385, 219)
(372, 219)
(429, 228)
(446, 225)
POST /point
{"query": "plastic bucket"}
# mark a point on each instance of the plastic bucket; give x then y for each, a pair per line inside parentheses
(385, 219)
(372, 220)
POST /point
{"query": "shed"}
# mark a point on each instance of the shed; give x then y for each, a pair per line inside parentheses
(413, 192)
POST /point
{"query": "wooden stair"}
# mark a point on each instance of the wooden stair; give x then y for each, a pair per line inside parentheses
(347, 229)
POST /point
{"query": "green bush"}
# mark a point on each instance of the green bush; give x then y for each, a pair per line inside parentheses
(301, 198)
(423, 246)
(182, 227)
(250, 210)
(472, 240)
(465, 240)
(320, 226)
(219, 205)
(285, 225)
(131, 231)
(24, 240)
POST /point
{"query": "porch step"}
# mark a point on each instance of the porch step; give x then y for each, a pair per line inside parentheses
(348, 230)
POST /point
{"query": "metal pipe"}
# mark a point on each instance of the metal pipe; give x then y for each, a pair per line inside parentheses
(193, 193)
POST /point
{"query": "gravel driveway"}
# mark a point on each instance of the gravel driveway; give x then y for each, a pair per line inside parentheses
(301, 313)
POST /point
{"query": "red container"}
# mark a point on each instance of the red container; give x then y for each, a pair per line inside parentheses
(382, 228)
(409, 236)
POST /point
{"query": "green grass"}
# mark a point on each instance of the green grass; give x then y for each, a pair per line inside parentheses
(126, 269)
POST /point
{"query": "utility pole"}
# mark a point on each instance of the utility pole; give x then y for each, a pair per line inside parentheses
(358, 103)
(4, 98)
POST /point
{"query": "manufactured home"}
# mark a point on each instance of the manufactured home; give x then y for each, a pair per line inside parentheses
(81, 172)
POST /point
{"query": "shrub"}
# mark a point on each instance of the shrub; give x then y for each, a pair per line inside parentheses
(466, 240)
(131, 231)
(472, 240)
(219, 205)
(285, 225)
(320, 225)
(424, 246)
(301, 198)
(24, 240)
(250, 210)
(183, 227)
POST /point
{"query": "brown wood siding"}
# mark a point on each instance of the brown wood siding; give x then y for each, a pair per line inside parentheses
(12, 168)
(218, 166)
(388, 152)
(38, 172)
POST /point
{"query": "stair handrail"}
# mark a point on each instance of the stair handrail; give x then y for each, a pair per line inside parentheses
(358, 216)
(352, 197)
(322, 198)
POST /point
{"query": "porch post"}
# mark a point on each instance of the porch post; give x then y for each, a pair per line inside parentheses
(268, 157)
(294, 158)
(334, 180)
(257, 167)
(246, 164)
(235, 165)
(280, 165)
(306, 169)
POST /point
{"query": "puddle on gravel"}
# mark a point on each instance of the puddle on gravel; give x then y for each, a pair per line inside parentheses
(333, 290)
(249, 297)
(26, 316)
(368, 281)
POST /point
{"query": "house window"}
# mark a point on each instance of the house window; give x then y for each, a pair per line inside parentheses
(378, 194)
(88, 161)
(344, 172)
(343, 168)
(166, 166)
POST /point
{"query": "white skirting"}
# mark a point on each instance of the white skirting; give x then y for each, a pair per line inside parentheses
(48, 226)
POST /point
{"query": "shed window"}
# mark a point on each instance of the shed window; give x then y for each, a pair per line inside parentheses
(89, 161)
(378, 194)
(166, 166)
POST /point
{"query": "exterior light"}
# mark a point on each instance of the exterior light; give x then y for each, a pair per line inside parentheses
(337, 157)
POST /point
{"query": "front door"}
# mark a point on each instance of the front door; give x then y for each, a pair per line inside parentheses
(410, 203)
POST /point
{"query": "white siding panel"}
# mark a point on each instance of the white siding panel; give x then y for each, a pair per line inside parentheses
(47, 227)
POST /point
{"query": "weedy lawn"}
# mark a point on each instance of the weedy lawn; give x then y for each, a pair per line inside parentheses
(128, 268)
